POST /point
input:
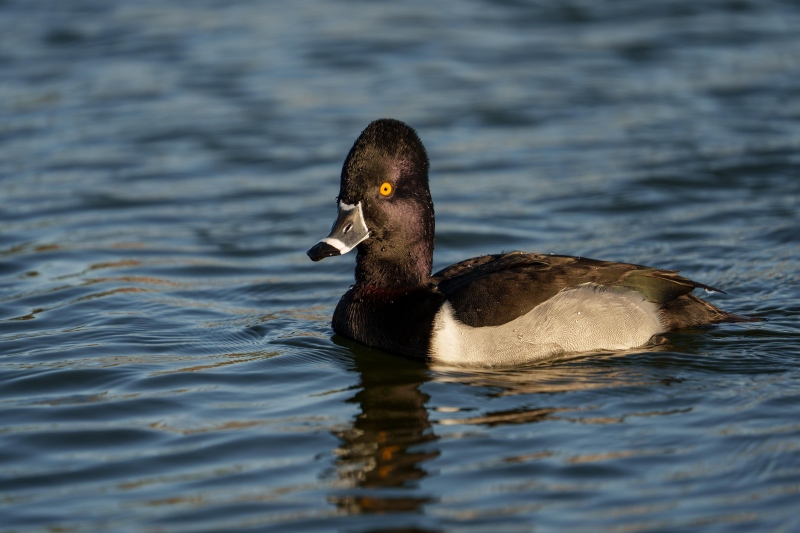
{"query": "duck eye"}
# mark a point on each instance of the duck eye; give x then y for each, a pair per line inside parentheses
(386, 188)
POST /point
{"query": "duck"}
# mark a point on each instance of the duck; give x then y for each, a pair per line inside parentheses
(495, 310)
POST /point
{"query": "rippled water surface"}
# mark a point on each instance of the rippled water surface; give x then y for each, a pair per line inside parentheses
(167, 357)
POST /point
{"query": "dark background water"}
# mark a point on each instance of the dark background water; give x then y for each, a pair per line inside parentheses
(167, 362)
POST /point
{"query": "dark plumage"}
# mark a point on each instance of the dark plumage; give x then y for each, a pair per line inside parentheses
(467, 312)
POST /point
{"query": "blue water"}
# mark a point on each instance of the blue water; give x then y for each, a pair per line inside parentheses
(167, 362)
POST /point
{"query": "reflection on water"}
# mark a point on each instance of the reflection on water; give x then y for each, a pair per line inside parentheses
(390, 440)
(384, 454)
(568, 374)
(536, 456)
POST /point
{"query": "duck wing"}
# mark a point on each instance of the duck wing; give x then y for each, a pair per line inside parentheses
(494, 289)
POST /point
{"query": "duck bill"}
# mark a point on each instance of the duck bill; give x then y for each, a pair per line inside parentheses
(347, 232)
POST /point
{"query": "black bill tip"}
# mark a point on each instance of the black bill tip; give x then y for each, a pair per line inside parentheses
(322, 250)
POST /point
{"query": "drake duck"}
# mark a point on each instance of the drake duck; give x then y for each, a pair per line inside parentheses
(493, 310)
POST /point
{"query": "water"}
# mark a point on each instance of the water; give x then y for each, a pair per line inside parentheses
(167, 359)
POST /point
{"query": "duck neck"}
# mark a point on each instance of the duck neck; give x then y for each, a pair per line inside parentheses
(384, 267)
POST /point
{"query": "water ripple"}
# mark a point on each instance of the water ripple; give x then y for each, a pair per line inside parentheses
(166, 356)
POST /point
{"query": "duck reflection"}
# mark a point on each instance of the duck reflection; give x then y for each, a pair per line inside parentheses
(390, 439)
(382, 455)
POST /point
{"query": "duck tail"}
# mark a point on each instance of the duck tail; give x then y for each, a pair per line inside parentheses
(690, 311)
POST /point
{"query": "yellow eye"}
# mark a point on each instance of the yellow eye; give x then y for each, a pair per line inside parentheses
(386, 188)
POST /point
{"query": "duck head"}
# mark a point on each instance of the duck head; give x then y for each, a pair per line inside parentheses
(385, 208)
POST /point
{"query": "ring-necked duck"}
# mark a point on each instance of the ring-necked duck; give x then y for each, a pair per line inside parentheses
(490, 310)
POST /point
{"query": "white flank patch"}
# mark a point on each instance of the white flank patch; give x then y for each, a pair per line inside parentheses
(583, 319)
